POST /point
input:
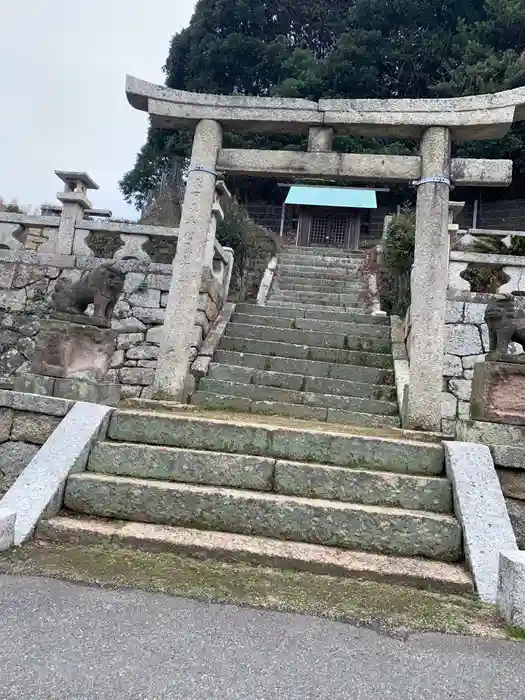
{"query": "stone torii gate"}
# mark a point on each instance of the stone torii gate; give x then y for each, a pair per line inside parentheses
(435, 122)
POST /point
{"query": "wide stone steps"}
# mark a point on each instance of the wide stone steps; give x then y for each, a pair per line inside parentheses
(307, 398)
(341, 308)
(309, 311)
(296, 496)
(306, 324)
(309, 368)
(339, 261)
(322, 251)
(301, 382)
(301, 284)
(392, 451)
(342, 301)
(267, 474)
(333, 523)
(241, 404)
(304, 352)
(317, 272)
(318, 339)
(261, 551)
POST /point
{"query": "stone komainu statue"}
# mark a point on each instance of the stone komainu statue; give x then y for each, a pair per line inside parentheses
(100, 287)
(505, 318)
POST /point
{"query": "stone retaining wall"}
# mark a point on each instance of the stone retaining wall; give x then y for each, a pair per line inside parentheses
(27, 281)
(26, 422)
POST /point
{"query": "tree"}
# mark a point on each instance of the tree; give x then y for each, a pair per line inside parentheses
(342, 48)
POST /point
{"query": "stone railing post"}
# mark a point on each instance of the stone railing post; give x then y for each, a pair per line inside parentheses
(74, 203)
(172, 375)
(429, 283)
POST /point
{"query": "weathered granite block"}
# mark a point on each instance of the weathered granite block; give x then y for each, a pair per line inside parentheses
(14, 458)
(90, 392)
(137, 375)
(33, 427)
(153, 316)
(67, 349)
(7, 528)
(511, 587)
(498, 393)
(463, 340)
(6, 423)
(128, 340)
(35, 384)
(452, 366)
(512, 483)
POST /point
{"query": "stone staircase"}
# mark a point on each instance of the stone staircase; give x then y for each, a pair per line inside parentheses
(289, 456)
(309, 353)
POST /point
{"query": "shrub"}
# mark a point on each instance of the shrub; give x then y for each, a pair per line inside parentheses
(253, 247)
(393, 272)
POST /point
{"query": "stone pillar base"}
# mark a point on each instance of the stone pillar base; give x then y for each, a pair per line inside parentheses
(498, 391)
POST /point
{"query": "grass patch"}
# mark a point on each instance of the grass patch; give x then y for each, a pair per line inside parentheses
(516, 632)
(382, 606)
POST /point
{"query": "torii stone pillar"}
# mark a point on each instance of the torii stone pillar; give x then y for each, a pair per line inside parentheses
(429, 283)
(172, 375)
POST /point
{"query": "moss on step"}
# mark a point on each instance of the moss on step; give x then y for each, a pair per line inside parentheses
(382, 606)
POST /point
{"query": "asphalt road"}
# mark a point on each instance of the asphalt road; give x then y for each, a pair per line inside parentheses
(60, 641)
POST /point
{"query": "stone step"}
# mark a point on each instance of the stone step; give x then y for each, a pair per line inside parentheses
(317, 339)
(323, 251)
(243, 404)
(306, 311)
(260, 551)
(317, 298)
(301, 382)
(347, 525)
(304, 352)
(329, 309)
(335, 261)
(314, 272)
(307, 324)
(433, 494)
(309, 368)
(354, 289)
(319, 444)
(307, 398)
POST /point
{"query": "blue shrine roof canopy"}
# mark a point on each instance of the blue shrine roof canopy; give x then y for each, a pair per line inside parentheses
(348, 197)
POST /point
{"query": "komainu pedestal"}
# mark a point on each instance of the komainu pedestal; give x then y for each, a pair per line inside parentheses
(75, 359)
(74, 349)
(498, 386)
(498, 391)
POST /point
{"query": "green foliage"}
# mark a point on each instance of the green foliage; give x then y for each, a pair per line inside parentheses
(397, 261)
(341, 48)
(498, 246)
(253, 247)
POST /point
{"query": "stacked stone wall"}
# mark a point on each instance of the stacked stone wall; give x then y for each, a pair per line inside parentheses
(27, 282)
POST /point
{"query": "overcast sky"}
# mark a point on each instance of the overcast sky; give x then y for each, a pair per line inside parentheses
(62, 100)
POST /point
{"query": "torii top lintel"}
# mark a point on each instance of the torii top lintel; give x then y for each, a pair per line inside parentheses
(469, 118)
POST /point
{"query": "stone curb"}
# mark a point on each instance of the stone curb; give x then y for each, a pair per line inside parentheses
(39, 488)
(481, 509)
(34, 403)
(7, 528)
(511, 587)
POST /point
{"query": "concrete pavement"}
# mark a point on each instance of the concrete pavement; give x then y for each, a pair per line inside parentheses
(62, 641)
